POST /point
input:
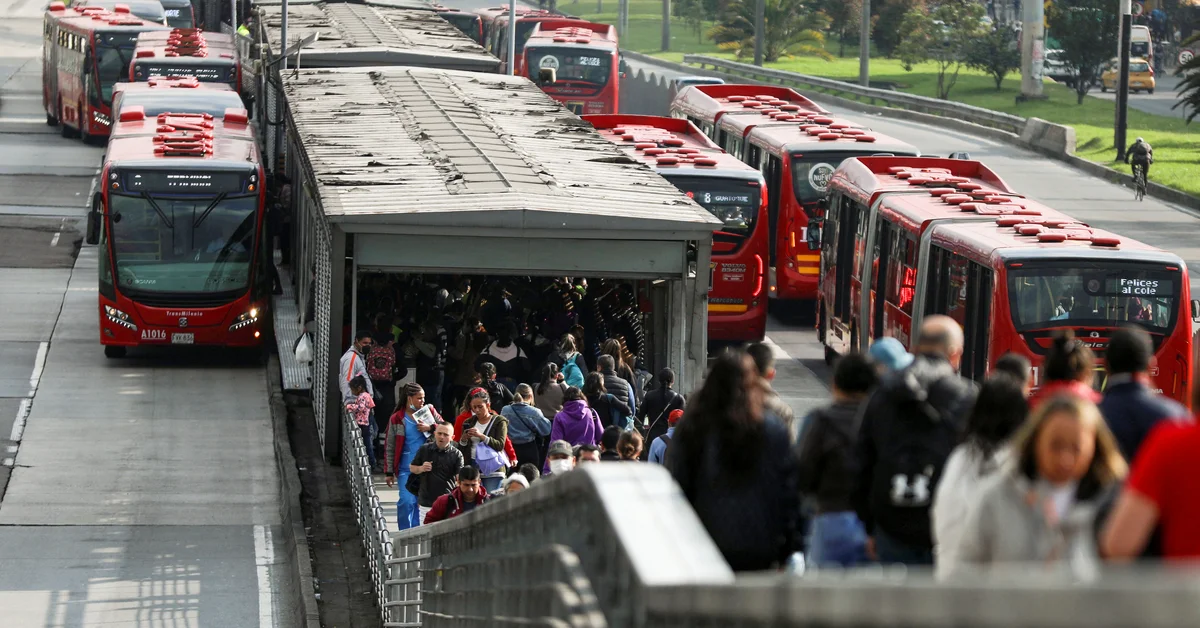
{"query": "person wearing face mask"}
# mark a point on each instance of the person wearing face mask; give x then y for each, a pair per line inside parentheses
(438, 464)
(577, 424)
(559, 458)
(484, 436)
(404, 437)
(1041, 509)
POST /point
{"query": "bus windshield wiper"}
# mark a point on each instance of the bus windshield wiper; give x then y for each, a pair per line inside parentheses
(158, 210)
(208, 210)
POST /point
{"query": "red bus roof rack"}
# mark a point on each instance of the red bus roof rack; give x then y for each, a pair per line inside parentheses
(57, 5)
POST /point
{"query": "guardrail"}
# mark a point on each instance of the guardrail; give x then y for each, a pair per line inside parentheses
(372, 523)
(871, 95)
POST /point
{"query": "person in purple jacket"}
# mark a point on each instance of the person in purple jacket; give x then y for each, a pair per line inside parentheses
(576, 423)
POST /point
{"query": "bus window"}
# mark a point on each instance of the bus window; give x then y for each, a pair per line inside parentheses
(883, 245)
(902, 271)
(962, 290)
(848, 213)
(722, 139)
(1107, 295)
(754, 158)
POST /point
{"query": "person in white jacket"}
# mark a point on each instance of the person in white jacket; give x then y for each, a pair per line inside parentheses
(999, 411)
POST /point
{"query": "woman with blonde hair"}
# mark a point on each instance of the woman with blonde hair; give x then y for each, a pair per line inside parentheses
(1041, 508)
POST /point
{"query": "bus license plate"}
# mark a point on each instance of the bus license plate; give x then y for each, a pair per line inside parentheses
(183, 339)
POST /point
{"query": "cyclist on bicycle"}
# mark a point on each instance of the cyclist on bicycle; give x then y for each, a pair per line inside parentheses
(1142, 155)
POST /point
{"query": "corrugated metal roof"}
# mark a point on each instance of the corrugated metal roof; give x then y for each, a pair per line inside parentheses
(399, 145)
(370, 34)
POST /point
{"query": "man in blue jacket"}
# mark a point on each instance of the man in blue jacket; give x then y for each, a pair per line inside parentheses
(1130, 407)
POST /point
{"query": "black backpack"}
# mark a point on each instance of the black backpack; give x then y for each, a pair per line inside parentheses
(914, 452)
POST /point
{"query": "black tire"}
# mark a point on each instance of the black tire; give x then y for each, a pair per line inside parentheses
(1149, 91)
(113, 351)
(66, 131)
(831, 356)
(51, 120)
(1103, 88)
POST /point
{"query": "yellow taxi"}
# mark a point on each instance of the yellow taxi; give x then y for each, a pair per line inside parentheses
(1141, 76)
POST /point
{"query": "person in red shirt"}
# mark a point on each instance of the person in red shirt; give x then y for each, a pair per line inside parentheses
(1162, 490)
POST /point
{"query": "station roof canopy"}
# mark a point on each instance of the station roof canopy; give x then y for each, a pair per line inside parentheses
(359, 34)
(446, 149)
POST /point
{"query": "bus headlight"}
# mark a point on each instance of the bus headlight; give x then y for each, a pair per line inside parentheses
(245, 319)
(119, 317)
(101, 118)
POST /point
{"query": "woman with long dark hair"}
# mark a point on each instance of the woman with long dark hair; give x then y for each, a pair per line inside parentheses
(999, 411)
(735, 466)
(1069, 368)
(548, 395)
(606, 404)
(656, 408)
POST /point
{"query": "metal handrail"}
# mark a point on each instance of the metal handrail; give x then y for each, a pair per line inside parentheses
(872, 95)
(368, 511)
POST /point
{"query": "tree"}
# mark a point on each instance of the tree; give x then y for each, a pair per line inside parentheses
(995, 52)
(1086, 31)
(693, 15)
(887, 14)
(943, 34)
(792, 27)
(1189, 87)
(844, 19)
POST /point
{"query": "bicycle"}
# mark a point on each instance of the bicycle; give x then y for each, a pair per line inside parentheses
(1139, 182)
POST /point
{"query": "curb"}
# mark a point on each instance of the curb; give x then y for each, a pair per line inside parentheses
(300, 575)
(1189, 203)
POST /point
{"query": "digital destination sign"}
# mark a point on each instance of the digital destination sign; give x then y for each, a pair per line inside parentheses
(184, 182)
(207, 73)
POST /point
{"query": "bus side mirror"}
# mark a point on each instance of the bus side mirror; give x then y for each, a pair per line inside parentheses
(93, 221)
(547, 76)
(814, 236)
(1195, 311)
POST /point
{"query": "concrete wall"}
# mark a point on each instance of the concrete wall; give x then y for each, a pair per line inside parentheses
(644, 93)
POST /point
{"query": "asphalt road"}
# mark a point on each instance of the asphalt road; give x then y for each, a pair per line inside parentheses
(137, 492)
(1158, 103)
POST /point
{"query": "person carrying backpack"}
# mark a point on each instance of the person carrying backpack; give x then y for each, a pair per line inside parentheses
(381, 368)
(570, 362)
(909, 426)
(1142, 155)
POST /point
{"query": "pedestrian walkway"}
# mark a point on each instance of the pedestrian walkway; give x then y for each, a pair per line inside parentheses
(297, 375)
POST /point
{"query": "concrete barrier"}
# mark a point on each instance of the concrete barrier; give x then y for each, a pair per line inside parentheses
(644, 93)
(299, 572)
(1047, 136)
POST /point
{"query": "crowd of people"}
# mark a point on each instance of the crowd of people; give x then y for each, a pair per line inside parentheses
(912, 464)
(909, 463)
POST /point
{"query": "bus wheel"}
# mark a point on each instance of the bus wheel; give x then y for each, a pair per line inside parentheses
(51, 120)
(113, 351)
(830, 356)
(67, 132)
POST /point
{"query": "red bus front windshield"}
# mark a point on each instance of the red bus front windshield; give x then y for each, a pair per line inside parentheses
(734, 202)
(114, 51)
(573, 67)
(183, 244)
(1070, 293)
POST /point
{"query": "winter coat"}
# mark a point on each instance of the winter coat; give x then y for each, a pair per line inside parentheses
(620, 388)
(1008, 524)
(444, 475)
(605, 405)
(577, 424)
(927, 402)
(450, 505)
(958, 491)
(825, 460)
(1131, 410)
(655, 409)
(525, 423)
(496, 431)
(550, 398)
(752, 517)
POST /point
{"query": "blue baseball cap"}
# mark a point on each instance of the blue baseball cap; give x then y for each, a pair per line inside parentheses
(890, 353)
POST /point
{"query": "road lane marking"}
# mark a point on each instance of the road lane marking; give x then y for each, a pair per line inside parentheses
(9, 462)
(21, 120)
(18, 428)
(58, 234)
(264, 557)
(39, 364)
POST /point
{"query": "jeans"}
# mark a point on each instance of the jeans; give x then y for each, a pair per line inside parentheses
(368, 437)
(838, 539)
(408, 512)
(491, 484)
(892, 551)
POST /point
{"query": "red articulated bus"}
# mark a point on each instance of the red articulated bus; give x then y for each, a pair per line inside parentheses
(471, 24)
(182, 52)
(729, 189)
(878, 210)
(85, 52)
(495, 30)
(585, 59)
(1012, 282)
(706, 105)
(179, 217)
(179, 95)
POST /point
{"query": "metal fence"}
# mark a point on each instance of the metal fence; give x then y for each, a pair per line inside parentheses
(368, 511)
(870, 95)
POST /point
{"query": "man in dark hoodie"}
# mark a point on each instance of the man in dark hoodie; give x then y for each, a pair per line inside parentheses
(825, 469)
(909, 426)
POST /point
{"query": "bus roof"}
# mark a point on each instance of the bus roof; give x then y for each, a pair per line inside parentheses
(353, 34)
(864, 178)
(916, 209)
(234, 123)
(1007, 240)
(211, 98)
(210, 39)
(710, 102)
(670, 146)
(492, 150)
(152, 151)
(826, 134)
(572, 32)
(98, 19)
(663, 132)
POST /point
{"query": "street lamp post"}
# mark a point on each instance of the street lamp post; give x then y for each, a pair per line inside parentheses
(1123, 79)
(864, 46)
(760, 12)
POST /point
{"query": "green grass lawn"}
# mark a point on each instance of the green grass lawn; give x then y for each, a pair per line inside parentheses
(1176, 144)
(645, 26)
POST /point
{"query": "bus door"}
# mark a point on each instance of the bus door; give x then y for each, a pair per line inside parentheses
(882, 251)
(963, 290)
(773, 173)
